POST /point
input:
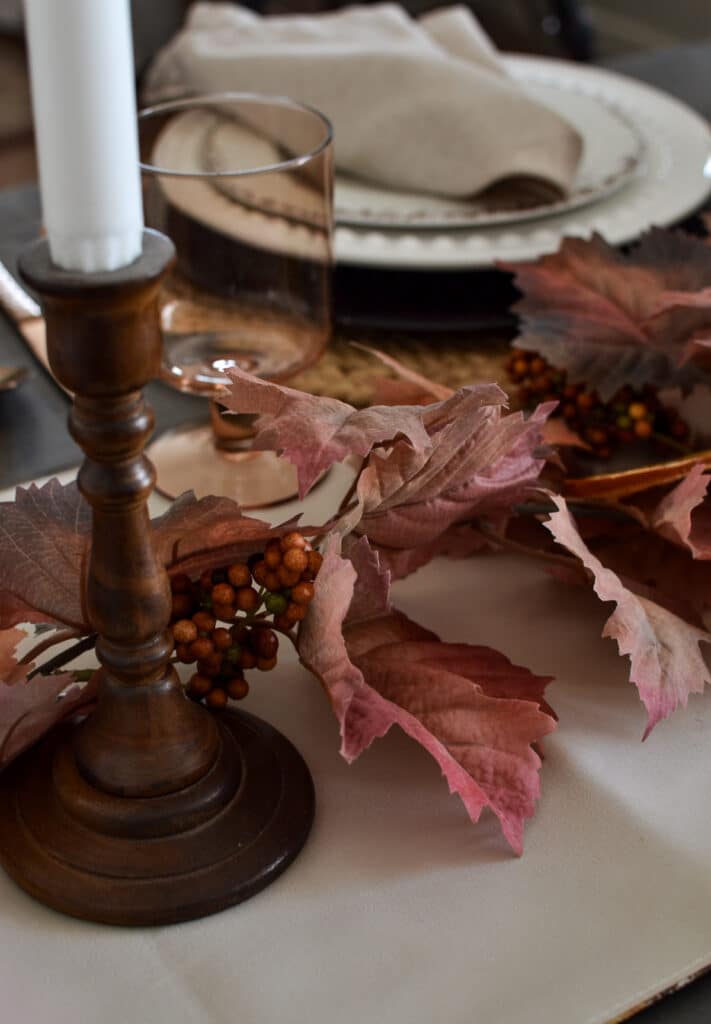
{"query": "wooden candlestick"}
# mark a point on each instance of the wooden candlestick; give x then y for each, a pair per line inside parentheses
(152, 810)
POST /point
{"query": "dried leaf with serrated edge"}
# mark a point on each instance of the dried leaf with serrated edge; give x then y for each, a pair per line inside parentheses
(30, 708)
(459, 541)
(607, 318)
(664, 650)
(387, 670)
(412, 388)
(684, 515)
(426, 468)
(480, 463)
(43, 542)
(9, 639)
(44, 538)
(194, 535)
(313, 433)
(371, 594)
(421, 388)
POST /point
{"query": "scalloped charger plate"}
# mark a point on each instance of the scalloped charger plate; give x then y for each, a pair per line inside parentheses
(613, 153)
(672, 180)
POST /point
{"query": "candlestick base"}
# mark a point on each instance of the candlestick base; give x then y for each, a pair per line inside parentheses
(151, 810)
(156, 860)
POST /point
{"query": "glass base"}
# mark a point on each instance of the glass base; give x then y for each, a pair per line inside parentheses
(204, 336)
(187, 460)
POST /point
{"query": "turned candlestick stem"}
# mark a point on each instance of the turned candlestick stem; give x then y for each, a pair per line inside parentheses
(104, 345)
(152, 810)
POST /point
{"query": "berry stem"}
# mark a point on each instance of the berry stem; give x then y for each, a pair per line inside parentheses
(671, 442)
(255, 619)
(539, 553)
(599, 507)
(351, 490)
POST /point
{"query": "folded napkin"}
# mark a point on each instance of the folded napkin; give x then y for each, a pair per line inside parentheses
(424, 105)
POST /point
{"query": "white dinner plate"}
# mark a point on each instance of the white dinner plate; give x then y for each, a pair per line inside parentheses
(613, 151)
(673, 179)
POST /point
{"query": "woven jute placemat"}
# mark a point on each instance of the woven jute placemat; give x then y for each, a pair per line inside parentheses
(351, 374)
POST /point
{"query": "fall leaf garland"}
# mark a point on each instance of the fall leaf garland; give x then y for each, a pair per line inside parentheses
(452, 477)
(425, 471)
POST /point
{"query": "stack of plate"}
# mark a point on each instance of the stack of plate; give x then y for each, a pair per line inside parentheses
(647, 160)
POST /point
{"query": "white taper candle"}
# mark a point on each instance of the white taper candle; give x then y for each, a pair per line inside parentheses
(84, 102)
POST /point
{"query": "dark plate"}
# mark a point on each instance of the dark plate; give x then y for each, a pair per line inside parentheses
(423, 303)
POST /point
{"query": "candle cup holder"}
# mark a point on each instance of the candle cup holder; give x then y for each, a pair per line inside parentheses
(152, 810)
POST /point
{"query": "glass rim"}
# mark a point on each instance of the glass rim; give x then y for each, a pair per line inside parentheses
(215, 98)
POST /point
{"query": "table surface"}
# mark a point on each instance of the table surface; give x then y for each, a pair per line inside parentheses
(33, 431)
(398, 909)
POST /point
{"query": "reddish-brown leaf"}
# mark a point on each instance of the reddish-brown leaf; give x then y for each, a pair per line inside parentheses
(481, 463)
(420, 389)
(43, 537)
(425, 469)
(684, 515)
(30, 708)
(194, 535)
(371, 593)
(314, 433)
(458, 541)
(664, 649)
(455, 700)
(607, 317)
(9, 639)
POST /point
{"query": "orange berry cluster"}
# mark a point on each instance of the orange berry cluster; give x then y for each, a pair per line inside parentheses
(276, 584)
(630, 415)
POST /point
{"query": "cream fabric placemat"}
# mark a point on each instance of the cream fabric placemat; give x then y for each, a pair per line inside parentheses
(399, 910)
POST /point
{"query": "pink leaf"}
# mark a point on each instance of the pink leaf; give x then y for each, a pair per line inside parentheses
(684, 515)
(314, 433)
(9, 639)
(557, 432)
(393, 391)
(491, 670)
(43, 536)
(453, 699)
(601, 315)
(30, 708)
(196, 535)
(664, 650)
(426, 469)
(481, 742)
(458, 541)
(371, 596)
(480, 464)
(644, 561)
(421, 387)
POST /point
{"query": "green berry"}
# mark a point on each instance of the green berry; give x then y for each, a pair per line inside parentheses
(275, 603)
(233, 654)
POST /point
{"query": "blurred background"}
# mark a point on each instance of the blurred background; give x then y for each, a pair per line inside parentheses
(666, 44)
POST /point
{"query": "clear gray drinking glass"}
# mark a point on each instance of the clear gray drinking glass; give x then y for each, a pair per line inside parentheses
(243, 185)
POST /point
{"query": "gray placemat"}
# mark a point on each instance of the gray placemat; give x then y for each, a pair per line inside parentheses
(33, 434)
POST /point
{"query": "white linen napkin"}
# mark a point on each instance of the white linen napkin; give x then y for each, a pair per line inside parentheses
(417, 105)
